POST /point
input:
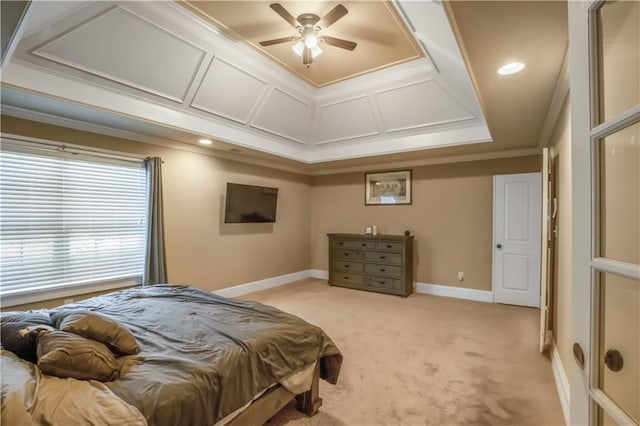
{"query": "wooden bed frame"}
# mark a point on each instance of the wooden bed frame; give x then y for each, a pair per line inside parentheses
(265, 407)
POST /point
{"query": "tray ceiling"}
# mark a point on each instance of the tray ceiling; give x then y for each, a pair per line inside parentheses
(113, 64)
(382, 37)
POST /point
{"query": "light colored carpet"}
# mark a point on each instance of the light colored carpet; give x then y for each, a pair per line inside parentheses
(423, 360)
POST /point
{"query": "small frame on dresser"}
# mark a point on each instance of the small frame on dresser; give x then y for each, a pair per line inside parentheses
(387, 188)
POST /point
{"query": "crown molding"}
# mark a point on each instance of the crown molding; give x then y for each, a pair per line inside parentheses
(464, 158)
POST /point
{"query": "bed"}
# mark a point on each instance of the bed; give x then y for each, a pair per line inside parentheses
(203, 360)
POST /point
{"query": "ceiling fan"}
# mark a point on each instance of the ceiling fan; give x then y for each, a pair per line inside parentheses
(309, 25)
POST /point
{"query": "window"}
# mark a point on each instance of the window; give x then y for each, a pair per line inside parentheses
(69, 221)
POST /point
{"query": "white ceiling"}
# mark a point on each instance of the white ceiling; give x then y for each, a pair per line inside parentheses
(154, 69)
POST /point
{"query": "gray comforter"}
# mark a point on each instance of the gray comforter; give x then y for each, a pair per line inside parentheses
(203, 356)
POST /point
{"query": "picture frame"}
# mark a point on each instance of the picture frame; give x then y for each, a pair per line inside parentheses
(388, 188)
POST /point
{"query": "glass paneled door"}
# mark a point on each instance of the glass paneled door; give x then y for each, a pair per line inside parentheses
(606, 139)
(615, 138)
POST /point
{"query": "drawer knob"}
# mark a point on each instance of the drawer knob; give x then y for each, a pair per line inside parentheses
(389, 246)
(346, 278)
(346, 254)
(363, 244)
(346, 266)
(381, 282)
(382, 257)
(382, 269)
(341, 243)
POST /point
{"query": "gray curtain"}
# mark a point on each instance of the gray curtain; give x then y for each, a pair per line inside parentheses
(155, 268)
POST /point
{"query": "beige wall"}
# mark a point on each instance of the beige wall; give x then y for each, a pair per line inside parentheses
(451, 217)
(560, 144)
(201, 249)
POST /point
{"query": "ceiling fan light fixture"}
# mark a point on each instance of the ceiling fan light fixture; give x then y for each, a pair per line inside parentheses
(311, 41)
(298, 47)
(307, 42)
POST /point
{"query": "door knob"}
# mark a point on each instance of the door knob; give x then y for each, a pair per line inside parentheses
(499, 245)
(613, 359)
(578, 355)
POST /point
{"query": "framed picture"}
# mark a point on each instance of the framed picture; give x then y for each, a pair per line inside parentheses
(387, 188)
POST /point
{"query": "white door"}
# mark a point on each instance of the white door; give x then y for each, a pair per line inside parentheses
(516, 239)
(605, 127)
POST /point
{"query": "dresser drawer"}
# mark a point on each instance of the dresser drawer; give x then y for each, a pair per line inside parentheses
(384, 270)
(364, 244)
(381, 257)
(348, 278)
(339, 243)
(389, 245)
(385, 283)
(336, 265)
(347, 254)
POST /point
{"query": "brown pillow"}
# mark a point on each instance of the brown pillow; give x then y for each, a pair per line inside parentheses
(19, 331)
(69, 355)
(93, 325)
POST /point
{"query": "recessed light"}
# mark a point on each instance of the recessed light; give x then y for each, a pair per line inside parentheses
(205, 141)
(511, 68)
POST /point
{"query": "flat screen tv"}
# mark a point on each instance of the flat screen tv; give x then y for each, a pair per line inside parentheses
(250, 204)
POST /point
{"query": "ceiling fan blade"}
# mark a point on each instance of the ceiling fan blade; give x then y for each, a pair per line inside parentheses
(334, 14)
(338, 42)
(277, 41)
(280, 10)
(307, 58)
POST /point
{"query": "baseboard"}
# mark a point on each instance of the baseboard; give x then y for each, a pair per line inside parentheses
(319, 273)
(254, 286)
(562, 383)
(455, 292)
(432, 289)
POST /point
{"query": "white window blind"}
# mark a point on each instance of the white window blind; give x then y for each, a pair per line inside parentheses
(68, 222)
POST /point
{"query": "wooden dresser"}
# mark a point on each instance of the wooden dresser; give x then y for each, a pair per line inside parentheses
(382, 263)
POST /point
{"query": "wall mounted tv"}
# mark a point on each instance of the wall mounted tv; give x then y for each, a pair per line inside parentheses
(250, 204)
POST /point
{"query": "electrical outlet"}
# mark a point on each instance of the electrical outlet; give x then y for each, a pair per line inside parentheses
(67, 301)
(460, 276)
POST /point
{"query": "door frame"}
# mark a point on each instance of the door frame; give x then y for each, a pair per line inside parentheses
(548, 248)
(580, 87)
(536, 237)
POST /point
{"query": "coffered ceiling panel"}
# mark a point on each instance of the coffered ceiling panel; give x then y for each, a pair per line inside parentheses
(429, 104)
(285, 115)
(347, 119)
(108, 44)
(228, 91)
